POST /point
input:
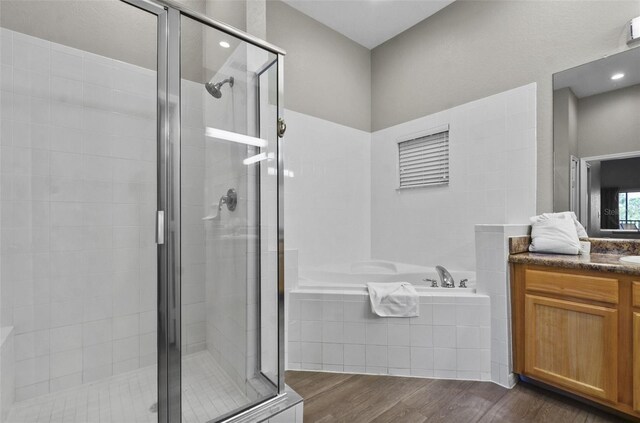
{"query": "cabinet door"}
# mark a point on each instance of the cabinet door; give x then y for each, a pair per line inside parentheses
(572, 345)
(636, 361)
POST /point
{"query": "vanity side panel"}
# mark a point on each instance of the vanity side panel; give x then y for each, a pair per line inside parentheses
(517, 307)
(636, 361)
(625, 343)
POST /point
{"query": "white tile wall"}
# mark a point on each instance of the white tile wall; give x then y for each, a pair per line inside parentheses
(227, 258)
(78, 177)
(230, 261)
(492, 180)
(7, 369)
(338, 332)
(193, 255)
(492, 276)
(327, 202)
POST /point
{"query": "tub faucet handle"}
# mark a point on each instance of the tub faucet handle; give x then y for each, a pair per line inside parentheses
(463, 283)
(434, 283)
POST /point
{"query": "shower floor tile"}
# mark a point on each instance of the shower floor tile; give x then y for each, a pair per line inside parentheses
(207, 392)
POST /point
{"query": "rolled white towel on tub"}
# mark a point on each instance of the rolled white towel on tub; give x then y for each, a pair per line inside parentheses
(395, 299)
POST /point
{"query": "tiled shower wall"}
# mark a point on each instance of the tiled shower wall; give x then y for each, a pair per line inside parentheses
(230, 261)
(192, 242)
(78, 210)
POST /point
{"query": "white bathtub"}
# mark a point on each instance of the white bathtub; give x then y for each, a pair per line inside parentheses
(354, 276)
(331, 326)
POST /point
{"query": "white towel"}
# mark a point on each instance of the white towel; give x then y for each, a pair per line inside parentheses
(396, 299)
(582, 233)
(554, 235)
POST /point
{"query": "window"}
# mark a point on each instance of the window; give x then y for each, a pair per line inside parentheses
(629, 210)
(424, 160)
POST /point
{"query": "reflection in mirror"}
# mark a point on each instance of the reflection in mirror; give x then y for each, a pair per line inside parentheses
(596, 134)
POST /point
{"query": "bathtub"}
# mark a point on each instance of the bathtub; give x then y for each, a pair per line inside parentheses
(331, 327)
(354, 277)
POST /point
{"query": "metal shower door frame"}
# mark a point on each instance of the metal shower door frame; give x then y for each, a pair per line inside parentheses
(168, 221)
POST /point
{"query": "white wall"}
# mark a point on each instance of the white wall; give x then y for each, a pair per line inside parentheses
(327, 201)
(78, 209)
(492, 180)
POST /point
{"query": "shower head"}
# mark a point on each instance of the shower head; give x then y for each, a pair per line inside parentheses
(214, 89)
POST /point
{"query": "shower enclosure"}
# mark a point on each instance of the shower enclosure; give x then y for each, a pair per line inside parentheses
(141, 216)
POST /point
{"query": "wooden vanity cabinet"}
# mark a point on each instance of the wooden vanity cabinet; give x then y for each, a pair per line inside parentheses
(578, 331)
(572, 345)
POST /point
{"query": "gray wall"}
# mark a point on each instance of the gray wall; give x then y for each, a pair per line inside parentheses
(609, 123)
(472, 49)
(326, 75)
(108, 28)
(565, 138)
(621, 174)
(119, 31)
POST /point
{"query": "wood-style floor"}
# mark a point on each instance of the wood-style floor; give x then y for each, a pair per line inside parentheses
(338, 397)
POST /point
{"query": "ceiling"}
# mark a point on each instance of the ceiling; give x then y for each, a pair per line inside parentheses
(369, 22)
(595, 77)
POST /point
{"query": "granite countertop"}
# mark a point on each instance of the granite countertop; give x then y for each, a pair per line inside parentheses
(598, 262)
(605, 255)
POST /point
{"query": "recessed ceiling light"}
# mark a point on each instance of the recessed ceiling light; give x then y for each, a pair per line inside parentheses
(224, 44)
(617, 76)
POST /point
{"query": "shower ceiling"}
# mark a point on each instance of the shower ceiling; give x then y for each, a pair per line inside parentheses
(369, 22)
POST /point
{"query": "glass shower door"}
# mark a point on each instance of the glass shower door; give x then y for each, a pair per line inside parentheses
(78, 182)
(229, 223)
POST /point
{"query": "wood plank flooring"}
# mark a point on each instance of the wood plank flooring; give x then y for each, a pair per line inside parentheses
(339, 397)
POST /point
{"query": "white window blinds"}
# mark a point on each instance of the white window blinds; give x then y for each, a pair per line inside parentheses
(424, 160)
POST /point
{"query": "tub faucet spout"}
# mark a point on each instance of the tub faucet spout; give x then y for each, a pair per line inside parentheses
(446, 280)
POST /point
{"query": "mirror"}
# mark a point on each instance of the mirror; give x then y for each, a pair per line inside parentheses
(596, 144)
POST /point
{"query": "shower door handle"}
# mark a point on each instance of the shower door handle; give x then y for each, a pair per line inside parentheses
(282, 127)
(160, 227)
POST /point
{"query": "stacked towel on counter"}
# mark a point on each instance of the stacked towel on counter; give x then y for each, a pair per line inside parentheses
(556, 233)
(582, 233)
(396, 299)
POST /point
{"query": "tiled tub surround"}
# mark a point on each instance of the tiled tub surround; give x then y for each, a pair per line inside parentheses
(336, 331)
(492, 180)
(492, 279)
(78, 208)
(328, 199)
